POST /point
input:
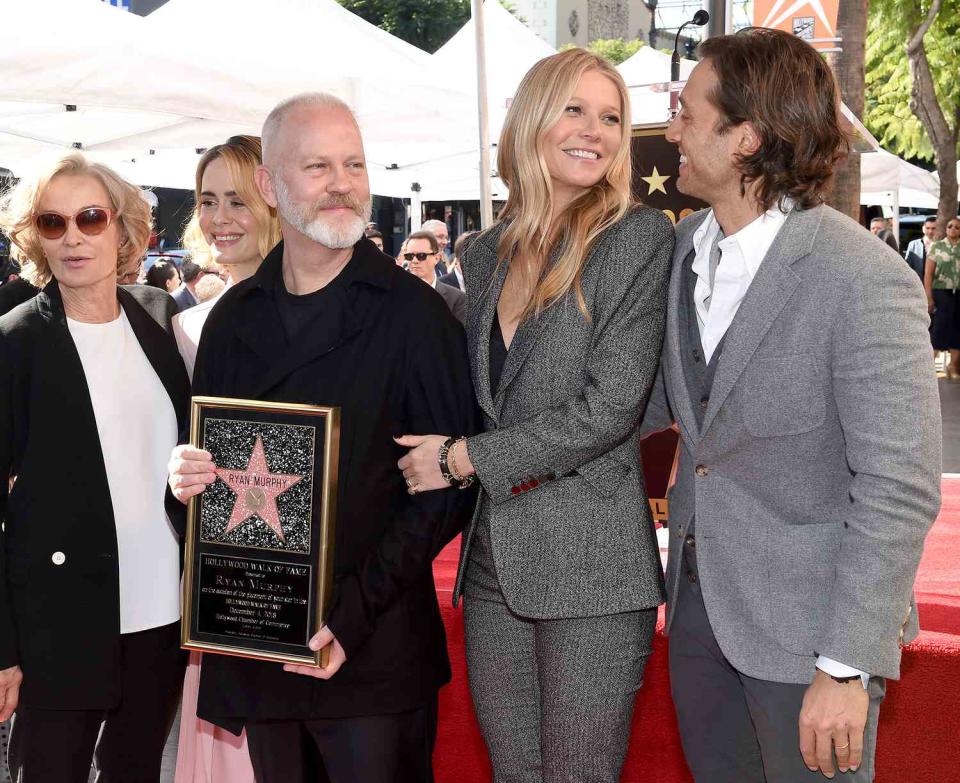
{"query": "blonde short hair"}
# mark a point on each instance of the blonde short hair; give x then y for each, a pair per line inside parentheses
(19, 205)
(242, 154)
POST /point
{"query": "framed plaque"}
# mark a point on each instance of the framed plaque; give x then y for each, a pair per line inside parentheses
(259, 550)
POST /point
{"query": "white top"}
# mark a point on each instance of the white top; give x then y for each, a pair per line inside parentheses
(187, 326)
(138, 430)
(741, 256)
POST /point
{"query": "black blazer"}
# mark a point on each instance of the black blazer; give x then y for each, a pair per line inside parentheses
(61, 622)
(395, 363)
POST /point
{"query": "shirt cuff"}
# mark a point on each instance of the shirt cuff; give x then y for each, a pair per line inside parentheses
(837, 669)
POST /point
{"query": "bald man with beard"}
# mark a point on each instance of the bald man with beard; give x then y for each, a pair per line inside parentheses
(329, 319)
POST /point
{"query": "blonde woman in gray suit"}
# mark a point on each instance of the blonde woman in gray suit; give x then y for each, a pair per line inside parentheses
(565, 312)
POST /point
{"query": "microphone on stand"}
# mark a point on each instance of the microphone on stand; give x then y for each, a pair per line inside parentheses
(700, 18)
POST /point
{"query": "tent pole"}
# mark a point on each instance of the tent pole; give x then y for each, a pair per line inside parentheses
(896, 214)
(416, 208)
(486, 201)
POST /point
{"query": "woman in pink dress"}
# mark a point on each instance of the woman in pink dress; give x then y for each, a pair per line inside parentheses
(233, 226)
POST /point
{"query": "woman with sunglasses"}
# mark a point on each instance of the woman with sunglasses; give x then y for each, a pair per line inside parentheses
(566, 299)
(93, 395)
(234, 226)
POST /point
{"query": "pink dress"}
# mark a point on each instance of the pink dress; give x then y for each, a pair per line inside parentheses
(205, 753)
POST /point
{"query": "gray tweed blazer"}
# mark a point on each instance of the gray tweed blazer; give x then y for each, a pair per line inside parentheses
(559, 461)
(816, 472)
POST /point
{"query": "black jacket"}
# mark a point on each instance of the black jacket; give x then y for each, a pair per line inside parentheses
(392, 371)
(61, 621)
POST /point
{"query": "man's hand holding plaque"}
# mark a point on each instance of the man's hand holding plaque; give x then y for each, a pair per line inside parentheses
(190, 471)
(259, 481)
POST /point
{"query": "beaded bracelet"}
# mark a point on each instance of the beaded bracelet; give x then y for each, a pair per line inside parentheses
(465, 481)
(453, 479)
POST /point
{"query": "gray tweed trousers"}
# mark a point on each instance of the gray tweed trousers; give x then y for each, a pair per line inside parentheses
(554, 698)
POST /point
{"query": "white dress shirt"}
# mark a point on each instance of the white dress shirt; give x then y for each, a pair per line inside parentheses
(741, 256)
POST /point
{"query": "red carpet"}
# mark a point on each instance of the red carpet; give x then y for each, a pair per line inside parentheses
(919, 721)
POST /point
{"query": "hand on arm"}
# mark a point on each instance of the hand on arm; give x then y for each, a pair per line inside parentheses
(421, 465)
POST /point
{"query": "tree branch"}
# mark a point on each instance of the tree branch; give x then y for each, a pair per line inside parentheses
(917, 39)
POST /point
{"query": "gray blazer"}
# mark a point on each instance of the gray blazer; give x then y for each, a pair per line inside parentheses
(559, 461)
(816, 473)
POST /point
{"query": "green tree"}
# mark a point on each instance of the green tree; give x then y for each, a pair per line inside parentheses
(614, 50)
(427, 24)
(848, 68)
(913, 85)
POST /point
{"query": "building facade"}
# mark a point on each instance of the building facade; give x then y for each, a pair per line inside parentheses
(579, 22)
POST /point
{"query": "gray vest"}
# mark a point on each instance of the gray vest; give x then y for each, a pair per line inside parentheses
(698, 373)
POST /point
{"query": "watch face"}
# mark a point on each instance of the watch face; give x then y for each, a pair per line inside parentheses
(803, 27)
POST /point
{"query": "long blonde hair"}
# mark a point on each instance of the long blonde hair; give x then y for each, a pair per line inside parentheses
(19, 206)
(531, 232)
(242, 154)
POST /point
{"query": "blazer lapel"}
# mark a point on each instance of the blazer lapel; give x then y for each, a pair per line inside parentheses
(767, 295)
(479, 327)
(160, 350)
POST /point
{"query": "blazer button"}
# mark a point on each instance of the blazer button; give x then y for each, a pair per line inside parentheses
(704, 403)
(58, 558)
(701, 470)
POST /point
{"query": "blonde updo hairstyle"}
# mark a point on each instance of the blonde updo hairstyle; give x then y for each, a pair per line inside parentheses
(531, 233)
(19, 207)
(242, 154)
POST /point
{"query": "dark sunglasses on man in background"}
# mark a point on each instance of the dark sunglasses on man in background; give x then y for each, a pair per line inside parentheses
(90, 221)
(418, 256)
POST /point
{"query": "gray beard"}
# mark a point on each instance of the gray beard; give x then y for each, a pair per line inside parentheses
(334, 236)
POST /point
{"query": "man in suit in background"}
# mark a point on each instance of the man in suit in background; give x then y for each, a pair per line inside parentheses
(455, 276)
(422, 252)
(916, 255)
(794, 356)
(186, 295)
(439, 229)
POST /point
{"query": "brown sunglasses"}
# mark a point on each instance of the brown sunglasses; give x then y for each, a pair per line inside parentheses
(90, 221)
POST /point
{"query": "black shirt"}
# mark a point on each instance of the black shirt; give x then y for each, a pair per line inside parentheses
(498, 354)
(324, 306)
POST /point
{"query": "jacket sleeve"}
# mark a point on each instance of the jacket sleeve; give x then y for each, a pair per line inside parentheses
(9, 655)
(619, 373)
(438, 399)
(889, 409)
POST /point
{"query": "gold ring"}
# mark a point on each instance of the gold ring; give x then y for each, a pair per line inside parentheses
(841, 747)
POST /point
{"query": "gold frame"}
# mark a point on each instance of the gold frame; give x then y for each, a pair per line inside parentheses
(328, 510)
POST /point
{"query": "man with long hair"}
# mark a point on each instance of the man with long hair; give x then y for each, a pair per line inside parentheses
(797, 367)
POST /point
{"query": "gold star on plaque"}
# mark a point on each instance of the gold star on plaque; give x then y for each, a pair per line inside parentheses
(655, 182)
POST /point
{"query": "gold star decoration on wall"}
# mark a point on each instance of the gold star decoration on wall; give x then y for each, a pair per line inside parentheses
(656, 181)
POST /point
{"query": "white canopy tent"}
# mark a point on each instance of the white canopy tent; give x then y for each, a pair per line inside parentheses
(147, 107)
(886, 180)
(647, 74)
